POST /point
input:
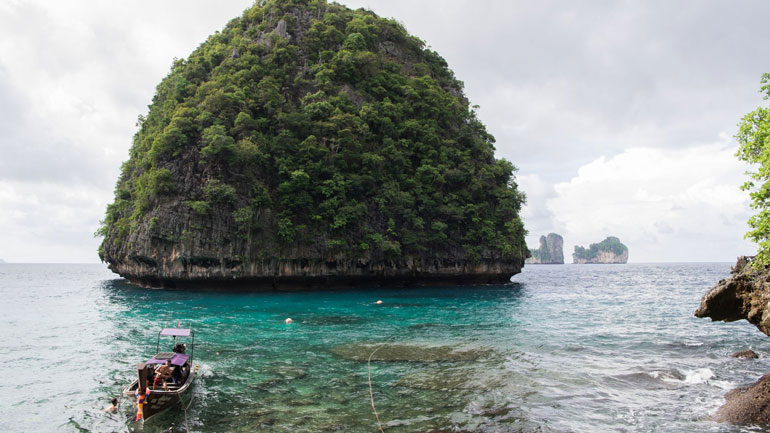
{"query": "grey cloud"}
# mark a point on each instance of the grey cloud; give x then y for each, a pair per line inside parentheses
(30, 151)
(600, 75)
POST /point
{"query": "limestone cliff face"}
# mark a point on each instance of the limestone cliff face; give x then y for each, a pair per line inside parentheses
(307, 144)
(551, 251)
(744, 295)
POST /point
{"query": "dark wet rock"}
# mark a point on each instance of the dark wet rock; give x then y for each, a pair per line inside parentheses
(748, 354)
(744, 295)
(748, 404)
(410, 352)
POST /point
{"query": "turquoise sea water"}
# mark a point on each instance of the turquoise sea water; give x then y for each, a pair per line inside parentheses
(569, 348)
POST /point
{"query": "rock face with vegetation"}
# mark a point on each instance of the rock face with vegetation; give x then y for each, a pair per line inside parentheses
(310, 144)
(551, 251)
(610, 250)
(744, 295)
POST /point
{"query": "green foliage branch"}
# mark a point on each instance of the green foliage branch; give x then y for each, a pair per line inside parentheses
(754, 139)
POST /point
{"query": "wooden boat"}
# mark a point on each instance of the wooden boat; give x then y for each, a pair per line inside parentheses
(153, 396)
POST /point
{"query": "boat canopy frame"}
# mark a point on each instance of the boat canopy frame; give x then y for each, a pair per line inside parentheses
(178, 332)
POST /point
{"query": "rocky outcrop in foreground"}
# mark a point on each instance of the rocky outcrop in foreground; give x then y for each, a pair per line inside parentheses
(747, 404)
(744, 295)
(551, 251)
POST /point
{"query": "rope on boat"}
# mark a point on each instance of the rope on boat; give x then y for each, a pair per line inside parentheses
(186, 425)
(192, 396)
(371, 393)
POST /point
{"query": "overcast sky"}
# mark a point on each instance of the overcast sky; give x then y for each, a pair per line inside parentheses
(619, 114)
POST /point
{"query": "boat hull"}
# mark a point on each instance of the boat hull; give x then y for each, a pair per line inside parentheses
(160, 400)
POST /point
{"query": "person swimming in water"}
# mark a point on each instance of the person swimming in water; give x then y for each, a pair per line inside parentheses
(112, 408)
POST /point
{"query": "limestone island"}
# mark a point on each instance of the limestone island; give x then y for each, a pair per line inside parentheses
(551, 251)
(311, 145)
(608, 251)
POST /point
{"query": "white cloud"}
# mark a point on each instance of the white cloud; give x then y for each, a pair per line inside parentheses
(538, 219)
(49, 222)
(665, 204)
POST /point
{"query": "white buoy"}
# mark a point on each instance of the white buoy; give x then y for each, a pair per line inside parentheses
(288, 320)
(378, 302)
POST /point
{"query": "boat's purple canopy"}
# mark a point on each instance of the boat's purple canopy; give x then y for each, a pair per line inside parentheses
(175, 332)
(177, 359)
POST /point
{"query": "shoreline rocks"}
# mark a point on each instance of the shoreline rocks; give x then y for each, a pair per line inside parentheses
(744, 295)
(747, 404)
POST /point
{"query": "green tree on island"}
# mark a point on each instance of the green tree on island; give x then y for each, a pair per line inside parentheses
(754, 139)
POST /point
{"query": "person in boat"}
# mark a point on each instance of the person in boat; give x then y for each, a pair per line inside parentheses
(113, 407)
(162, 374)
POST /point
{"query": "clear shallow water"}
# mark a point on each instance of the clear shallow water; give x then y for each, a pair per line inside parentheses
(562, 349)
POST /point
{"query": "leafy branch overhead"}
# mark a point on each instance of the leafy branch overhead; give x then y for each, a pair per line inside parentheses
(754, 139)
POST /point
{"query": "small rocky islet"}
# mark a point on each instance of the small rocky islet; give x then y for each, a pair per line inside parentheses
(311, 145)
(608, 251)
(551, 251)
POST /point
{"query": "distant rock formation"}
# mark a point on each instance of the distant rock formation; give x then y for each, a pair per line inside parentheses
(551, 251)
(610, 250)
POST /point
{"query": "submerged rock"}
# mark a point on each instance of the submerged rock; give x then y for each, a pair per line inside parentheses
(453, 378)
(409, 352)
(747, 354)
(748, 404)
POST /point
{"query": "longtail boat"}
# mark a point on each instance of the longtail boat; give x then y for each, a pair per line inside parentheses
(155, 392)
